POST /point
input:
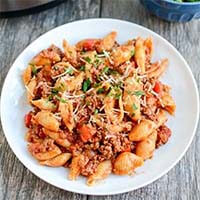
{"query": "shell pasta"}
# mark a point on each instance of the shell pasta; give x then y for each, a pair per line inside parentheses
(98, 106)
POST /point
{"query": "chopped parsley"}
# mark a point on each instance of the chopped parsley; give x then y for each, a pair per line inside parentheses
(96, 111)
(132, 53)
(87, 103)
(109, 71)
(82, 68)
(136, 93)
(118, 95)
(139, 93)
(69, 71)
(88, 60)
(96, 85)
(106, 70)
(134, 106)
(54, 91)
(97, 62)
(133, 114)
(100, 91)
(99, 78)
(86, 85)
(115, 92)
(114, 72)
(61, 99)
(50, 97)
(34, 69)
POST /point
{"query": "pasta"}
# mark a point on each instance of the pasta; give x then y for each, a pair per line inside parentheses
(98, 106)
(102, 171)
(57, 161)
(146, 147)
(126, 162)
(142, 130)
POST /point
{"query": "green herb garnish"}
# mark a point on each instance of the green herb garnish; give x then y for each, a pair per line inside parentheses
(115, 92)
(33, 69)
(100, 91)
(69, 71)
(118, 95)
(96, 111)
(96, 85)
(134, 106)
(105, 70)
(54, 91)
(61, 99)
(114, 72)
(132, 53)
(87, 59)
(138, 93)
(50, 97)
(82, 68)
(86, 85)
(87, 103)
(97, 62)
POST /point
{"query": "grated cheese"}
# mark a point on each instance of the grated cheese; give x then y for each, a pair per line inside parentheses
(74, 96)
(60, 75)
(154, 93)
(102, 107)
(90, 90)
(29, 91)
(76, 109)
(118, 110)
(57, 116)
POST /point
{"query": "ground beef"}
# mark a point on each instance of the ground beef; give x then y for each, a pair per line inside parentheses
(163, 135)
(151, 107)
(44, 146)
(93, 102)
(113, 145)
(92, 163)
(52, 53)
(57, 70)
(90, 167)
(35, 134)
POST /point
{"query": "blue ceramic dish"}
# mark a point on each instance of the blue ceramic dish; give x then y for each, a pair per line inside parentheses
(173, 11)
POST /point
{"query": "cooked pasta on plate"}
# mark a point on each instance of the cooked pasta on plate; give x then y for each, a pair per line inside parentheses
(98, 106)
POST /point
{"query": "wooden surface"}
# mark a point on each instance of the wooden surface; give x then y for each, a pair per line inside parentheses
(16, 182)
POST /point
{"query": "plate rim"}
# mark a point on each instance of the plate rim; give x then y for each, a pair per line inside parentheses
(97, 193)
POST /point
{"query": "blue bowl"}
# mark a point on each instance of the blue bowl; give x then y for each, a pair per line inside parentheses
(173, 11)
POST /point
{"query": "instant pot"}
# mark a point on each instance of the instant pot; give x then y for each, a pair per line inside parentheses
(20, 7)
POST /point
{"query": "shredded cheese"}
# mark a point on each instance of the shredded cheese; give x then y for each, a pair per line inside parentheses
(57, 116)
(102, 107)
(90, 90)
(39, 84)
(76, 109)
(59, 75)
(74, 96)
(154, 93)
(118, 110)
(29, 91)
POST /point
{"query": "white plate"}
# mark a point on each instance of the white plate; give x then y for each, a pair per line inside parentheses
(178, 75)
